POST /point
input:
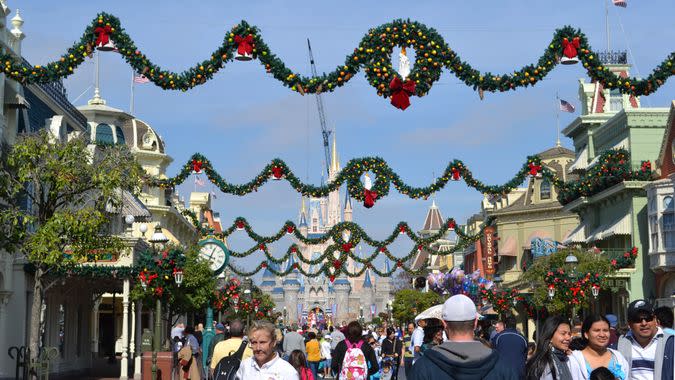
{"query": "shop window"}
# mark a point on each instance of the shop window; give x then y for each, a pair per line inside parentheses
(545, 189)
(668, 221)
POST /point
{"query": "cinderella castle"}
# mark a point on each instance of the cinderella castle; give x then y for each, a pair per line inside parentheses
(315, 301)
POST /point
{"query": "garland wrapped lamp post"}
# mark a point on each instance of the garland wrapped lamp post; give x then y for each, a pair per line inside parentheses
(571, 263)
(158, 239)
(247, 284)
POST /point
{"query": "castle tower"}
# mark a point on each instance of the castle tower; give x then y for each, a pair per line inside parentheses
(367, 295)
(348, 211)
(291, 286)
(342, 288)
(302, 225)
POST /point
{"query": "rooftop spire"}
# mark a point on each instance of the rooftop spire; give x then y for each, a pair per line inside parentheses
(334, 161)
(97, 100)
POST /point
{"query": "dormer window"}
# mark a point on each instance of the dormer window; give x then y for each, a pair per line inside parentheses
(615, 100)
(545, 189)
(104, 134)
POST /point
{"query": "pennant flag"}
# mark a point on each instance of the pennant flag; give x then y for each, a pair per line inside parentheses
(565, 106)
(140, 79)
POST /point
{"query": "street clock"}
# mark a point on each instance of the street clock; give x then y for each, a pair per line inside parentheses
(215, 253)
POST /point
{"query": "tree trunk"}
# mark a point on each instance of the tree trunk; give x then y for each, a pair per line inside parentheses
(36, 312)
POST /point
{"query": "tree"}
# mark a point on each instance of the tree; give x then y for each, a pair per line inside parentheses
(60, 191)
(408, 303)
(590, 264)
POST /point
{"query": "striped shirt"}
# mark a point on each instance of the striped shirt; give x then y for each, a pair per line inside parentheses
(642, 358)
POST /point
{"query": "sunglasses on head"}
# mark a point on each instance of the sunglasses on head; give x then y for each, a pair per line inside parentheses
(646, 318)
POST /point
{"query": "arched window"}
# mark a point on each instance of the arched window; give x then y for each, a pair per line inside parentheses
(668, 203)
(120, 135)
(545, 189)
(104, 134)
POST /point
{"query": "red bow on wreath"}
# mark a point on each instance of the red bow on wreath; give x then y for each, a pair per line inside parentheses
(570, 48)
(244, 44)
(347, 247)
(455, 174)
(197, 166)
(102, 35)
(534, 169)
(369, 198)
(400, 92)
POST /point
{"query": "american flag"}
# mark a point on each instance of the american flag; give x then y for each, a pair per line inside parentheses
(199, 181)
(565, 106)
(140, 79)
(620, 3)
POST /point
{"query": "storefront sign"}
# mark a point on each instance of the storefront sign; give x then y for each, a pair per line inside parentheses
(489, 251)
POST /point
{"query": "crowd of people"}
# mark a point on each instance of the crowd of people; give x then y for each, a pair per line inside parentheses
(460, 345)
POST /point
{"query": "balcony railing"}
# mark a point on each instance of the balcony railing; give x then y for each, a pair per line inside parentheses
(613, 57)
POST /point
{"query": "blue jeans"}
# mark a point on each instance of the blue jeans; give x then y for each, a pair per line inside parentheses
(314, 367)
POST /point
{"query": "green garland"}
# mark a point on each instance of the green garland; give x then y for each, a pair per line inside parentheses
(336, 254)
(373, 55)
(613, 167)
(351, 175)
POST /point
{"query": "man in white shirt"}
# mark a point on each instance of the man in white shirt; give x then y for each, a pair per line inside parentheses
(417, 339)
(265, 363)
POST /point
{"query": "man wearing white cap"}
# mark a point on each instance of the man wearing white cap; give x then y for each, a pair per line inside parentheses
(461, 357)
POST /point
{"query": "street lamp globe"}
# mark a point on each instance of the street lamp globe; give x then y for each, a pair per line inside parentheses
(129, 219)
(143, 228)
(571, 260)
(158, 236)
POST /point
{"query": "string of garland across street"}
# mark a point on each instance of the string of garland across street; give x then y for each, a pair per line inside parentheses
(345, 237)
(372, 55)
(613, 167)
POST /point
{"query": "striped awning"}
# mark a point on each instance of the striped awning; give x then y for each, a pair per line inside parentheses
(623, 144)
(581, 162)
(577, 235)
(619, 226)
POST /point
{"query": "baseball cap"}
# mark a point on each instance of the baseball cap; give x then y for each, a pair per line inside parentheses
(459, 308)
(327, 336)
(220, 326)
(639, 306)
(612, 320)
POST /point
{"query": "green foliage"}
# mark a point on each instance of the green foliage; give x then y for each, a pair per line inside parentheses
(69, 188)
(408, 303)
(589, 264)
(373, 56)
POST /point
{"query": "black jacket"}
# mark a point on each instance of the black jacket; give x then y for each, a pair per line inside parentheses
(462, 362)
(391, 348)
(513, 348)
(368, 352)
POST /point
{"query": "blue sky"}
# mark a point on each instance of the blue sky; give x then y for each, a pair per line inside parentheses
(244, 118)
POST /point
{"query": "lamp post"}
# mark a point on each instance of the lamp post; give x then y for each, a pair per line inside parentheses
(247, 297)
(285, 323)
(158, 239)
(571, 262)
(361, 313)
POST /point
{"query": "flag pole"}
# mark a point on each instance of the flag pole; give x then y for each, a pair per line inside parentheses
(131, 101)
(557, 120)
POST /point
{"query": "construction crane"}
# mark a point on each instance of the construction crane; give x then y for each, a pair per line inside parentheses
(325, 132)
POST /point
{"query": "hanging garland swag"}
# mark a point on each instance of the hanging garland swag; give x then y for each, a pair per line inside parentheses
(373, 56)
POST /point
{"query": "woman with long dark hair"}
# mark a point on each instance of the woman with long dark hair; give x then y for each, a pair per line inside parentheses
(550, 360)
(596, 354)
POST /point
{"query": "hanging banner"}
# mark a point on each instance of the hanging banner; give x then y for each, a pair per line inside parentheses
(489, 250)
(373, 310)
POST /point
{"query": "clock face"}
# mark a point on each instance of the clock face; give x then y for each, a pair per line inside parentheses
(214, 254)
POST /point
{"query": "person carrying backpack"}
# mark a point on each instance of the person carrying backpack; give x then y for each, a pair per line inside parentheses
(222, 360)
(353, 356)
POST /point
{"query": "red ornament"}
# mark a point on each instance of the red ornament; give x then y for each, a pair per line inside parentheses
(399, 263)
(570, 48)
(383, 249)
(337, 264)
(263, 265)
(102, 35)
(369, 198)
(332, 278)
(290, 229)
(277, 172)
(347, 247)
(240, 225)
(295, 265)
(455, 174)
(534, 169)
(244, 44)
(262, 247)
(294, 250)
(197, 166)
(400, 92)
(402, 230)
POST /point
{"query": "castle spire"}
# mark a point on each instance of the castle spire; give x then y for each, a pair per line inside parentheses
(334, 161)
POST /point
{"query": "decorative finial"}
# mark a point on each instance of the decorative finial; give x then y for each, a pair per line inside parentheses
(17, 22)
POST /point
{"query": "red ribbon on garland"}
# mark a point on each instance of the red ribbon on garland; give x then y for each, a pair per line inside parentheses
(244, 44)
(534, 169)
(102, 35)
(400, 92)
(197, 166)
(277, 172)
(347, 247)
(570, 48)
(369, 198)
(455, 174)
